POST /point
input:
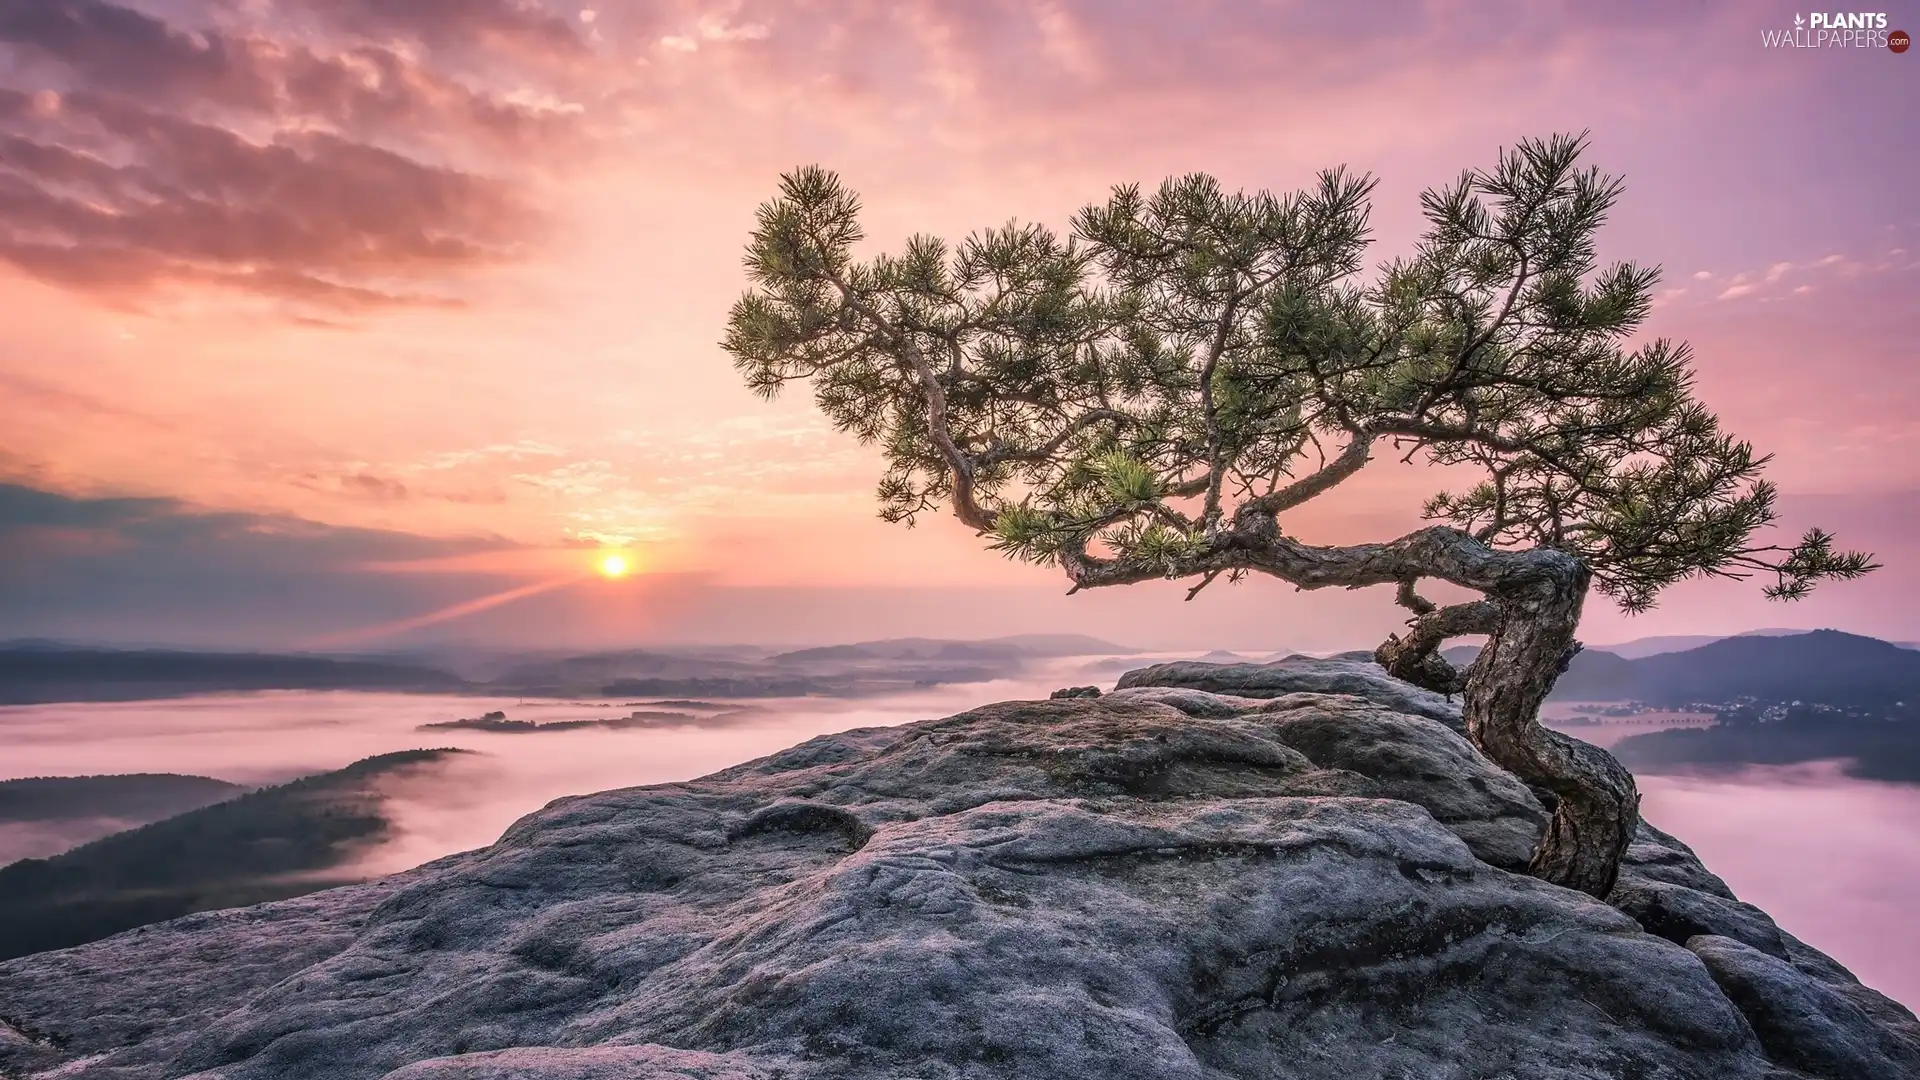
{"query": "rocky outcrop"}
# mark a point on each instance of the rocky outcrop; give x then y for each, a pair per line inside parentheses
(1162, 882)
(1803, 1022)
(1352, 674)
(1075, 692)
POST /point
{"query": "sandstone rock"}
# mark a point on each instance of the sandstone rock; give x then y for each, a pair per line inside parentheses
(1405, 756)
(645, 1062)
(1810, 1025)
(1075, 691)
(1158, 883)
(140, 996)
(1680, 914)
(1655, 856)
(1351, 673)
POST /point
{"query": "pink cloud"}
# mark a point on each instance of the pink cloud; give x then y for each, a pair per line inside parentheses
(582, 192)
(321, 170)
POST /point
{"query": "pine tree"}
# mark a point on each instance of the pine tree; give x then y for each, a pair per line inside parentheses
(1148, 396)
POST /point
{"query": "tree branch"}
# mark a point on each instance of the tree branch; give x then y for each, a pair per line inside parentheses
(1416, 657)
(1205, 581)
(1350, 461)
(1407, 598)
(1046, 450)
(934, 395)
(1215, 348)
(1437, 551)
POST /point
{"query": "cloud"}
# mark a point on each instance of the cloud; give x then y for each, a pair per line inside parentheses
(1082, 72)
(308, 216)
(356, 84)
(165, 570)
(167, 527)
(1749, 283)
(356, 485)
(577, 478)
(510, 27)
(308, 165)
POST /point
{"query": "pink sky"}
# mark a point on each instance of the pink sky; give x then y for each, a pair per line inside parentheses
(344, 285)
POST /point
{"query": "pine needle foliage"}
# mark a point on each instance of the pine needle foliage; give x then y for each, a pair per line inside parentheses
(1183, 361)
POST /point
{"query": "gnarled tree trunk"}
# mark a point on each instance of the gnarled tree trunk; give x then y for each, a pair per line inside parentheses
(1598, 806)
(1530, 623)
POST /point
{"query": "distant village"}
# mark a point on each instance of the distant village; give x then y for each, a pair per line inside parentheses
(1740, 711)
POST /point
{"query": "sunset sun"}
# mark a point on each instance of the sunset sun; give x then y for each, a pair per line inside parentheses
(614, 565)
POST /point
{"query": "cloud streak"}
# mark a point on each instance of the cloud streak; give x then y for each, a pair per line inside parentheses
(127, 568)
(303, 164)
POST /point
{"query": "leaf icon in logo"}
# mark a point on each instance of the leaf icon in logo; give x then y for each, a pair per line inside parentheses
(1798, 21)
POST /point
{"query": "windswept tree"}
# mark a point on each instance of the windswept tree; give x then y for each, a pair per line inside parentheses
(1149, 396)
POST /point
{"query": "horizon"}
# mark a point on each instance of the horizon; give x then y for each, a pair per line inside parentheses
(427, 652)
(384, 333)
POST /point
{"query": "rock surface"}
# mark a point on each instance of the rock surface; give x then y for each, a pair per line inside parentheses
(1349, 673)
(1304, 876)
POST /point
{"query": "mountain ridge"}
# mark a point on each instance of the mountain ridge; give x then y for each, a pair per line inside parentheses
(1818, 665)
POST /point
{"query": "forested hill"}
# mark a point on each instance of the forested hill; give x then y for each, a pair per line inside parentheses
(264, 845)
(141, 796)
(1826, 666)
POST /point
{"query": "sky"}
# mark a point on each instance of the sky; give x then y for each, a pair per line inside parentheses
(365, 323)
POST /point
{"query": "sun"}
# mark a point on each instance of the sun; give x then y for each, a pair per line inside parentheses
(613, 565)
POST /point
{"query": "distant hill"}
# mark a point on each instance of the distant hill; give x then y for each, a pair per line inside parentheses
(1065, 645)
(36, 673)
(46, 815)
(899, 675)
(1649, 646)
(1124, 664)
(906, 649)
(497, 723)
(150, 796)
(587, 672)
(1012, 647)
(1594, 675)
(1826, 666)
(1224, 656)
(265, 845)
(1598, 675)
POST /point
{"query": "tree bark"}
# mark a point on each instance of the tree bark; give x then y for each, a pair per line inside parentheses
(1416, 657)
(1598, 806)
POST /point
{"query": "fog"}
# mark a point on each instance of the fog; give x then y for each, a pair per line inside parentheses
(40, 839)
(461, 803)
(1836, 861)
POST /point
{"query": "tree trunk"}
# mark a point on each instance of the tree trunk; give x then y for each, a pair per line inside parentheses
(1598, 807)
(1531, 608)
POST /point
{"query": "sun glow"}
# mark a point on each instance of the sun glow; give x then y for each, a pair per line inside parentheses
(613, 565)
